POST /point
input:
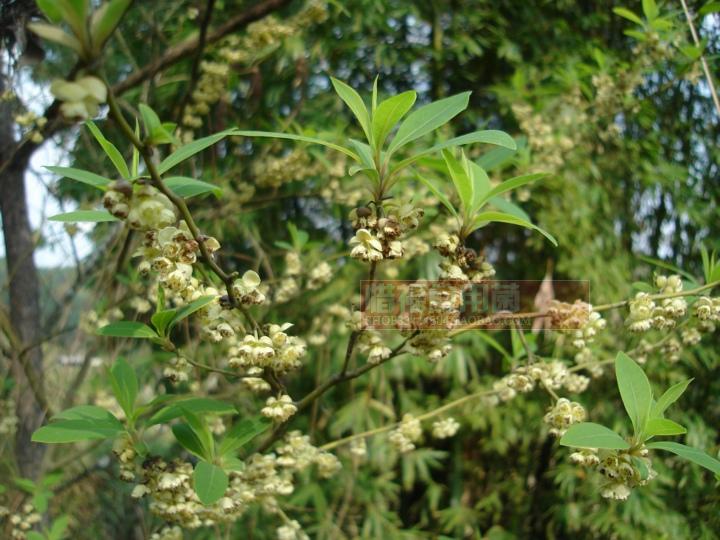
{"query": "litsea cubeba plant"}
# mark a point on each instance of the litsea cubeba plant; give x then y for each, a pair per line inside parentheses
(214, 475)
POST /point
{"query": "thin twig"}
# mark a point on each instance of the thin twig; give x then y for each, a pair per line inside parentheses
(703, 62)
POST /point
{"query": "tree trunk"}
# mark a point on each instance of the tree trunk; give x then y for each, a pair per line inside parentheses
(24, 297)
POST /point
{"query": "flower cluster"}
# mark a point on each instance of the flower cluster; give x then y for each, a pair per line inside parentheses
(377, 236)
(33, 123)
(274, 350)
(646, 314)
(22, 521)
(8, 418)
(142, 205)
(445, 428)
(291, 282)
(459, 262)
(291, 531)
(371, 343)
(262, 35)
(81, 98)
(279, 409)
(562, 415)
(622, 470)
(406, 434)
(273, 172)
(297, 453)
(553, 375)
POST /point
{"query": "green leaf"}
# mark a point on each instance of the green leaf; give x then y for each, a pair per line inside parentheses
(428, 118)
(210, 481)
(641, 466)
(691, 454)
(58, 528)
(50, 9)
(512, 183)
(461, 180)
(663, 426)
(161, 319)
(129, 329)
(670, 396)
(188, 150)
(495, 158)
(710, 7)
(627, 14)
(56, 35)
(591, 435)
(91, 216)
(439, 194)
(188, 440)
(242, 433)
(486, 217)
(508, 207)
(195, 405)
(650, 9)
(125, 385)
(151, 121)
(389, 113)
(65, 431)
(353, 100)
(303, 138)
(490, 136)
(105, 20)
(86, 412)
(34, 535)
(201, 430)
(110, 149)
(86, 177)
(635, 390)
(189, 309)
(189, 187)
(481, 187)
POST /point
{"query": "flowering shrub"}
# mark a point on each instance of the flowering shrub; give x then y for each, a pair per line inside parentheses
(223, 422)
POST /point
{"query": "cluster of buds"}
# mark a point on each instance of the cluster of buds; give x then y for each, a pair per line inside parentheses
(707, 309)
(261, 35)
(22, 522)
(646, 314)
(377, 237)
(279, 409)
(562, 415)
(291, 282)
(671, 349)
(171, 252)
(297, 453)
(445, 428)
(246, 289)
(81, 98)
(585, 358)
(274, 350)
(371, 343)
(143, 206)
(172, 497)
(622, 470)
(33, 123)
(406, 434)
(168, 533)
(273, 172)
(553, 375)
(461, 263)
(292, 530)
(8, 418)
(125, 452)
(177, 370)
